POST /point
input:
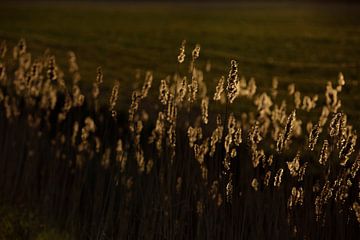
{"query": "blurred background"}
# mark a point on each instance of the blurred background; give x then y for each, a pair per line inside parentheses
(308, 42)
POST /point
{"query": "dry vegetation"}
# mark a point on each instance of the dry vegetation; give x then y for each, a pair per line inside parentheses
(182, 163)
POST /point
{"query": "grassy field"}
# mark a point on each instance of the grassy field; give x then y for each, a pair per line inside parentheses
(301, 42)
(307, 44)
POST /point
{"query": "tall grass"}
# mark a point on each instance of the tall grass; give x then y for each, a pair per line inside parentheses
(182, 163)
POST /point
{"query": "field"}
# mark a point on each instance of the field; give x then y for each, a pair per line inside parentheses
(252, 134)
(305, 44)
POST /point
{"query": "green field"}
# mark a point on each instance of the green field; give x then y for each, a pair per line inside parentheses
(305, 44)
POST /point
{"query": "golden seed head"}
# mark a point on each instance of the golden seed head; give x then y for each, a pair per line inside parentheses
(219, 89)
(302, 172)
(313, 137)
(347, 149)
(232, 81)
(194, 134)
(286, 135)
(140, 159)
(114, 96)
(205, 109)
(99, 76)
(334, 126)
(182, 89)
(255, 184)
(164, 92)
(52, 69)
(297, 99)
(147, 84)
(181, 56)
(291, 89)
(193, 88)
(229, 189)
(356, 208)
(294, 166)
(341, 80)
(216, 138)
(324, 154)
(196, 52)
(267, 178)
(355, 166)
(278, 176)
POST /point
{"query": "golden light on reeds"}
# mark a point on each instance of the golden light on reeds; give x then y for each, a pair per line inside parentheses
(181, 146)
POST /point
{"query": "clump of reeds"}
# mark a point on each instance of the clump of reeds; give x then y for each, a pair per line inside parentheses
(174, 168)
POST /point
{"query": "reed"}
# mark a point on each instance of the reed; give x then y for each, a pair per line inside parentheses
(172, 166)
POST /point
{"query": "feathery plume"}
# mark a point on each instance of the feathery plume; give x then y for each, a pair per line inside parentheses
(113, 98)
(181, 56)
(232, 82)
